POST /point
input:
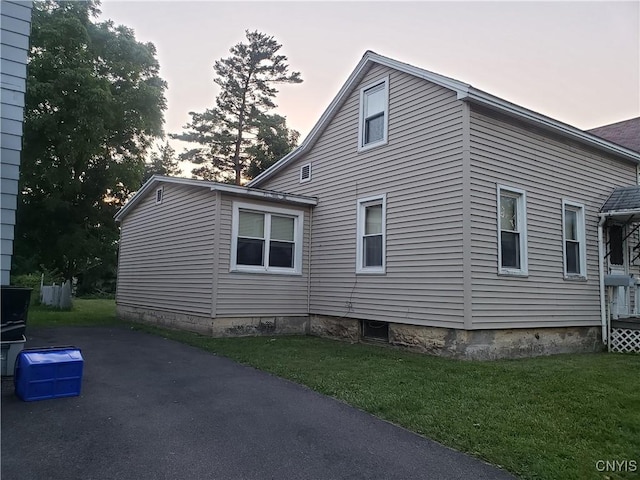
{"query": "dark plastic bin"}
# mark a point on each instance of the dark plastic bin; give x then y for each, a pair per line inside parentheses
(46, 373)
(15, 308)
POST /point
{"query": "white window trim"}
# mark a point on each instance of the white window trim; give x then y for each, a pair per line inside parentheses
(361, 146)
(362, 203)
(298, 227)
(305, 180)
(522, 226)
(161, 191)
(582, 240)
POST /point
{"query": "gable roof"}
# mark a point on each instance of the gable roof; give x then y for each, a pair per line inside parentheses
(625, 133)
(255, 193)
(464, 92)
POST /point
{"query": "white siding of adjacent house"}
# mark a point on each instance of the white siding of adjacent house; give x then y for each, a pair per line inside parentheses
(15, 24)
(420, 171)
(241, 294)
(166, 256)
(549, 170)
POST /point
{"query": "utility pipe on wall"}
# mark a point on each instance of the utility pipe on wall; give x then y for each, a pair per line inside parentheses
(603, 305)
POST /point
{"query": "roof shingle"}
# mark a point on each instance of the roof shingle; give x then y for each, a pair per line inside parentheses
(625, 133)
(623, 199)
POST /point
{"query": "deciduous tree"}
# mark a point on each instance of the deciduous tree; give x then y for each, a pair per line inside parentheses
(94, 105)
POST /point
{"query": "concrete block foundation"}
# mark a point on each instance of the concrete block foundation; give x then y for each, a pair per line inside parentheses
(217, 327)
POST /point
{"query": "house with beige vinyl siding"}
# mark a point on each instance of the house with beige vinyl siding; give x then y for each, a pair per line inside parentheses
(433, 216)
(214, 258)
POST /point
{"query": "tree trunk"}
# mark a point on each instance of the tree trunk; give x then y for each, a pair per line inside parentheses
(236, 154)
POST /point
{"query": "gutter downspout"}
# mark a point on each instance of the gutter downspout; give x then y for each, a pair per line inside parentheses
(311, 211)
(603, 307)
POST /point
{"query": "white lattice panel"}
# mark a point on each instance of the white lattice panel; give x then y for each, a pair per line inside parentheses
(625, 340)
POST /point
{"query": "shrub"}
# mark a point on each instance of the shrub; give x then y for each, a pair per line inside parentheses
(29, 280)
(32, 280)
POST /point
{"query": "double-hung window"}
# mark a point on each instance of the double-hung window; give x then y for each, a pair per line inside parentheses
(512, 231)
(266, 240)
(371, 235)
(575, 258)
(374, 114)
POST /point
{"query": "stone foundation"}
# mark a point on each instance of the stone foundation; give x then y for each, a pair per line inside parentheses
(347, 329)
(446, 342)
(470, 344)
(494, 344)
(217, 327)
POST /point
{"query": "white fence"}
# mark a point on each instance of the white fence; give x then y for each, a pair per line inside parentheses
(58, 296)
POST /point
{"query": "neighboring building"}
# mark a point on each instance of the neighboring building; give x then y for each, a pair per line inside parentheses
(625, 133)
(447, 220)
(15, 25)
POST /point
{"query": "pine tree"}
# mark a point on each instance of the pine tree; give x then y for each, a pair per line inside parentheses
(162, 162)
(228, 133)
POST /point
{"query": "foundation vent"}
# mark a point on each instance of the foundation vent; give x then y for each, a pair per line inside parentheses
(378, 331)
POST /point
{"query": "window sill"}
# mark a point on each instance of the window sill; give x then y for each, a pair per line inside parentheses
(370, 146)
(575, 278)
(263, 271)
(370, 272)
(513, 273)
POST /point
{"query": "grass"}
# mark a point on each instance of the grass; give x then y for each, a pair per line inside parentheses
(85, 312)
(539, 418)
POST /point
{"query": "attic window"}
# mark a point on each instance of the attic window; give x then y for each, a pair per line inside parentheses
(374, 114)
(305, 173)
(159, 194)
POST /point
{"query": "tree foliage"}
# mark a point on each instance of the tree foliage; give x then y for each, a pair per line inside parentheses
(94, 104)
(239, 127)
(163, 161)
(273, 141)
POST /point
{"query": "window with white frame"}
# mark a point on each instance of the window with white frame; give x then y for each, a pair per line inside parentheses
(512, 231)
(266, 239)
(374, 114)
(371, 233)
(575, 255)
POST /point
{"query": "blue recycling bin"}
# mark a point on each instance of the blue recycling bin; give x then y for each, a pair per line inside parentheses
(48, 373)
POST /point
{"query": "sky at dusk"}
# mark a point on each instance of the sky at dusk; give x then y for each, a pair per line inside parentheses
(577, 62)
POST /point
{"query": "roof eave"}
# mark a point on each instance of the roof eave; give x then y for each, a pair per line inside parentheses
(464, 92)
(318, 127)
(266, 194)
(213, 186)
(478, 96)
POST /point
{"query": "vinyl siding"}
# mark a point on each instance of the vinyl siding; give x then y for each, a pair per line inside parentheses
(241, 294)
(420, 171)
(548, 169)
(15, 24)
(167, 251)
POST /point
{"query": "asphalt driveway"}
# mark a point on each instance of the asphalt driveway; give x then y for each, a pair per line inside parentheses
(152, 408)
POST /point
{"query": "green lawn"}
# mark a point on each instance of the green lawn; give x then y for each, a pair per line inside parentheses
(85, 312)
(540, 418)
